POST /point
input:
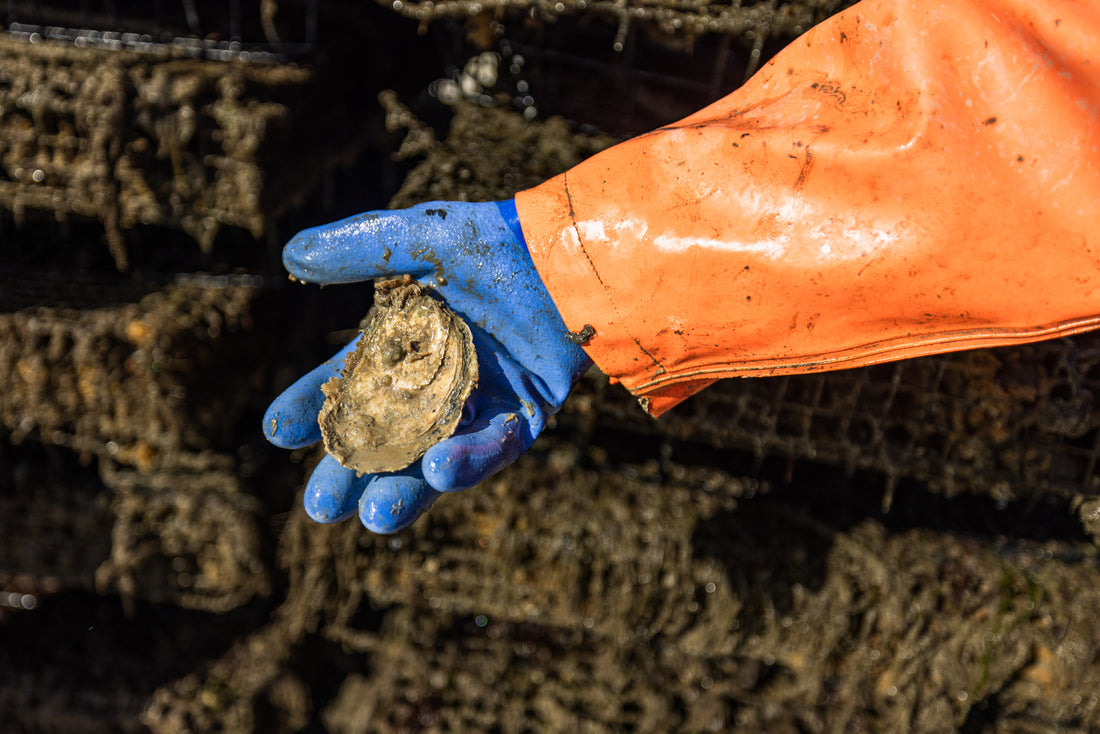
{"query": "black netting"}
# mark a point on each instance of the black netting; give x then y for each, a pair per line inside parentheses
(1009, 421)
(251, 30)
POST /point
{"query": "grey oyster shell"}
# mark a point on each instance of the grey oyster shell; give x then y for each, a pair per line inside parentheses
(402, 389)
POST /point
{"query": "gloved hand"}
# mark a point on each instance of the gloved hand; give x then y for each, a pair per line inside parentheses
(527, 363)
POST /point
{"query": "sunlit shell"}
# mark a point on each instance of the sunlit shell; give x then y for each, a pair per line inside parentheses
(402, 389)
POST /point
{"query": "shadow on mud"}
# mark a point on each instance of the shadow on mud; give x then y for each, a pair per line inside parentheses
(109, 664)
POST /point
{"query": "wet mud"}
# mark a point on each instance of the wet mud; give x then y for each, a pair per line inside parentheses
(907, 547)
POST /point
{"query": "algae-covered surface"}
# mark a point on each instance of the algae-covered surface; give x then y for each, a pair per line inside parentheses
(908, 547)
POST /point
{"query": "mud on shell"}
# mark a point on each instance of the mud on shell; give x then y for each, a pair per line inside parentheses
(402, 389)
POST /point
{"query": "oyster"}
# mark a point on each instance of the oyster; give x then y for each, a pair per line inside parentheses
(403, 388)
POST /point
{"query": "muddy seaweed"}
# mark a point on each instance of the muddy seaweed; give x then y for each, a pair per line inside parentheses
(112, 136)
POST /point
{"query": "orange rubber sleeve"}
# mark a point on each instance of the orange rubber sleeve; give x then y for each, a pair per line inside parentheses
(904, 179)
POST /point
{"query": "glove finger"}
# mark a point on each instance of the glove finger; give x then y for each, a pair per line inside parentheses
(291, 420)
(333, 492)
(392, 502)
(376, 244)
(489, 443)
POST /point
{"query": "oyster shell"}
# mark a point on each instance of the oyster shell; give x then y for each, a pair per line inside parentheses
(403, 388)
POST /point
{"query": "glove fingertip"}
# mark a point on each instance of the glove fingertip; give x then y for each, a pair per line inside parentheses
(270, 425)
(465, 461)
(345, 251)
(392, 503)
(323, 510)
(298, 255)
(290, 422)
(332, 493)
(446, 472)
(278, 428)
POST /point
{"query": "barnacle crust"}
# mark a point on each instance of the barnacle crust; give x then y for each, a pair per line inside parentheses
(403, 387)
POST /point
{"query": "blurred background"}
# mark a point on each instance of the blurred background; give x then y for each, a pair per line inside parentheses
(908, 547)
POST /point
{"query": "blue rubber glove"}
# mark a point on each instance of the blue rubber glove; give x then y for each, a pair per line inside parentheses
(475, 256)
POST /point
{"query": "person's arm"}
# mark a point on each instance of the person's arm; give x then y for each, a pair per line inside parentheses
(904, 179)
(899, 181)
(475, 257)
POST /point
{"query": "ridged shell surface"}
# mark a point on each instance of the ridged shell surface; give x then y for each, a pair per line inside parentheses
(403, 387)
